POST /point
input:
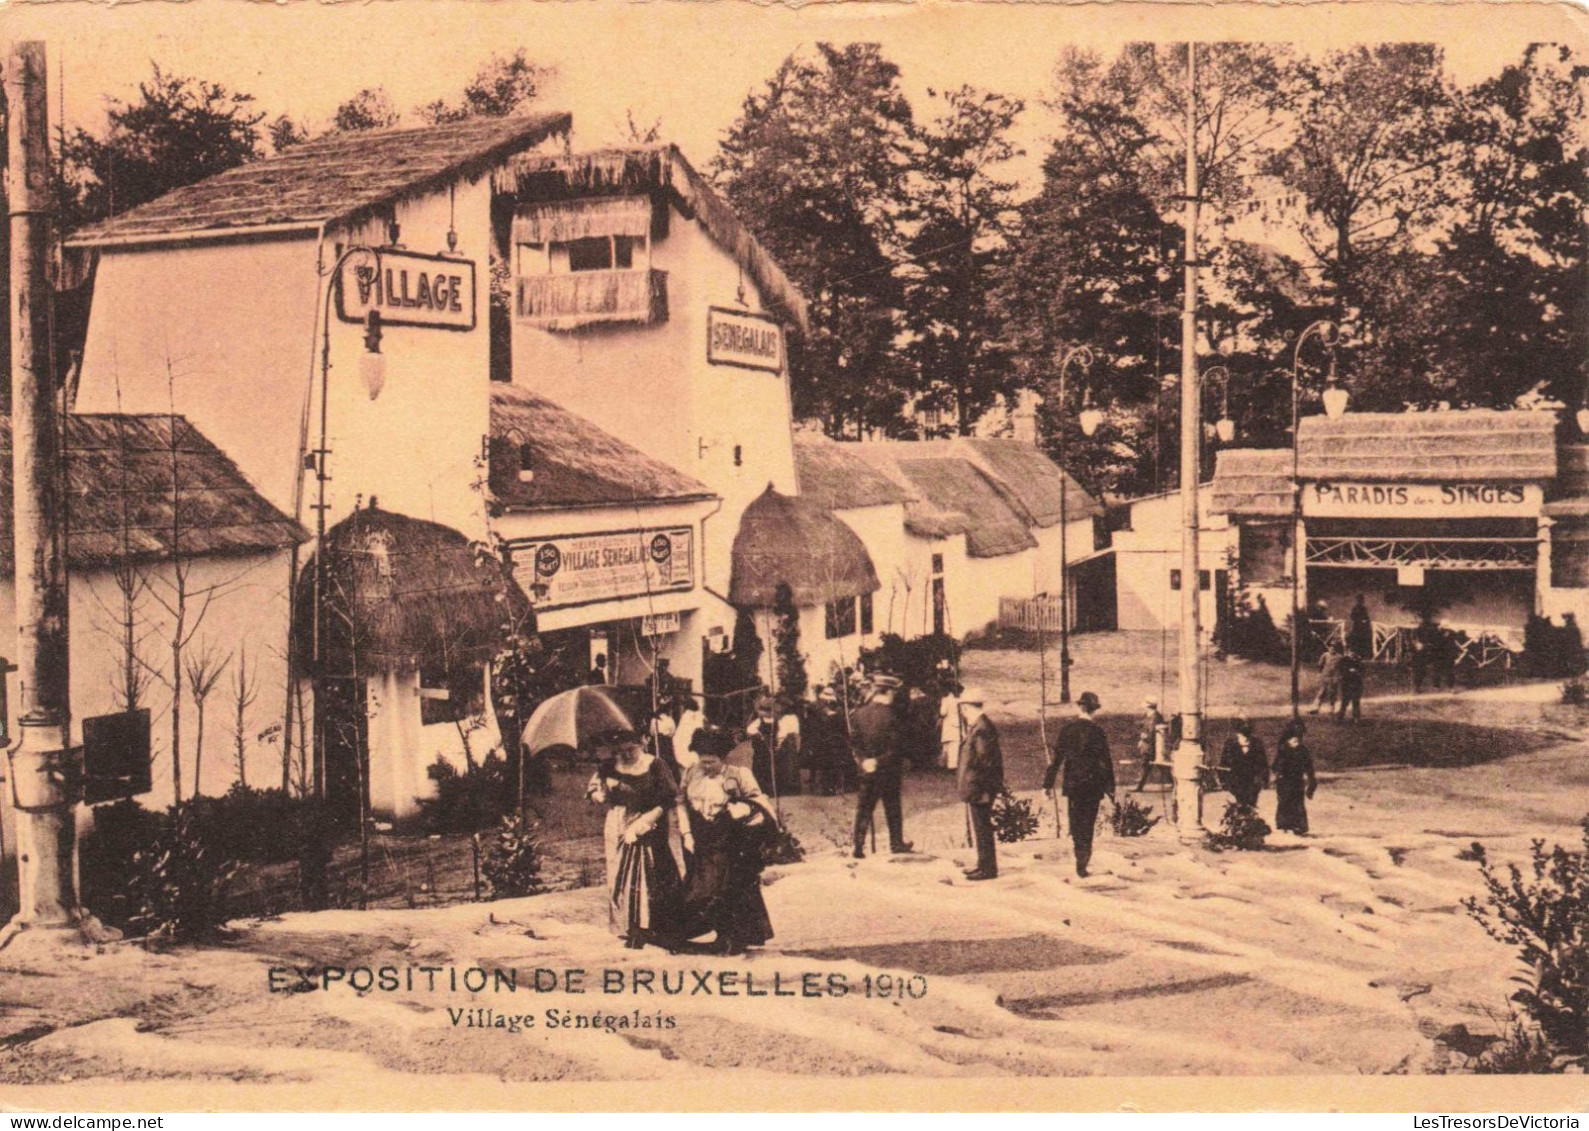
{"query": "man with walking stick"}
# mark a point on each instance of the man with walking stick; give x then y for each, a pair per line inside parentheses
(874, 733)
(981, 780)
(1086, 774)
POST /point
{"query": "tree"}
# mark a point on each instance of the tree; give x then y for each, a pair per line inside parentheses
(504, 85)
(245, 691)
(203, 669)
(817, 165)
(792, 681)
(962, 214)
(285, 133)
(178, 131)
(370, 109)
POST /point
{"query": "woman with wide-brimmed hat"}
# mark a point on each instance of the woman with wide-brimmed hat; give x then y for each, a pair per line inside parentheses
(1295, 779)
(644, 893)
(730, 820)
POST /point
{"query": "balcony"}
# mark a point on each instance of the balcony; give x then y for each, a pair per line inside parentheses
(591, 298)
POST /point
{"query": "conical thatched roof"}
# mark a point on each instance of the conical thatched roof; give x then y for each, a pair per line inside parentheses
(400, 591)
(785, 538)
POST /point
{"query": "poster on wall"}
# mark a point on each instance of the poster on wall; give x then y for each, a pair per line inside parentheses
(583, 568)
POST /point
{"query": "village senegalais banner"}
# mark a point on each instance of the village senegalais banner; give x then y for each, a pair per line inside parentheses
(580, 569)
(408, 289)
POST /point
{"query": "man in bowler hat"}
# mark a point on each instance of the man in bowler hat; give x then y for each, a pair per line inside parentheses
(981, 779)
(1086, 774)
(874, 737)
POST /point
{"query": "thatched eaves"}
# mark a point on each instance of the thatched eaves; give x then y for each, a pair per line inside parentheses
(792, 540)
(146, 488)
(401, 592)
(1252, 483)
(661, 171)
(336, 181)
(572, 462)
(1030, 478)
(994, 527)
(1470, 445)
(836, 477)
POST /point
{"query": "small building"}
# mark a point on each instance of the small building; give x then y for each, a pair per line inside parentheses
(1146, 547)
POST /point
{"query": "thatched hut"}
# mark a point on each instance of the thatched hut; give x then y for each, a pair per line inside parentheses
(792, 540)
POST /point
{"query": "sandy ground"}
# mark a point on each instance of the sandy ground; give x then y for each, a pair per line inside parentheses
(1344, 952)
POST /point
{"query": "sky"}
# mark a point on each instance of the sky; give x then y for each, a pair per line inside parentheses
(688, 64)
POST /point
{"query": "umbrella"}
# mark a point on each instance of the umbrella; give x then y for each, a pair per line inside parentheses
(574, 718)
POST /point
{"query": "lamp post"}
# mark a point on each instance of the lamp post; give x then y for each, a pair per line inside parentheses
(372, 368)
(1224, 428)
(1328, 334)
(1083, 356)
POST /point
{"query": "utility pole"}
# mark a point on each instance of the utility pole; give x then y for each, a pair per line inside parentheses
(1188, 756)
(46, 778)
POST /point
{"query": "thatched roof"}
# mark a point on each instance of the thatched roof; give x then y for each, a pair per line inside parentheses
(790, 539)
(401, 591)
(1252, 483)
(1033, 480)
(659, 170)
(1429, 447)
(1569, 495)
(140, 488)
(994, 526)
(836, 477)
(923, 517)
(338, 180)
(576, 464)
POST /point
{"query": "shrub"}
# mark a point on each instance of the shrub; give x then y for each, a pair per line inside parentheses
(467, 802)
(1130, 818)
(512, 866)
(257, 826)
(178, 882)
(1240, 828)
(1545, 914)
(1575, 692)
(1014, 819)
(121, 832)
(782, 847)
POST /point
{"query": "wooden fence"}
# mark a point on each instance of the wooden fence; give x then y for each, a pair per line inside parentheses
(1032, 614)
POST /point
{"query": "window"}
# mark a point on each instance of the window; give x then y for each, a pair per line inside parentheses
(937, 563)
(866, 614)
(1204, 581)
(1102, 537)
(602, 253)
(841, 618)
(450, 696)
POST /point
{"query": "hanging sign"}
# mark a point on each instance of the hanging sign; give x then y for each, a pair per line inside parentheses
(1421, 500)
(408, 289)
(659, 624)
(583, 568)
(738, 337)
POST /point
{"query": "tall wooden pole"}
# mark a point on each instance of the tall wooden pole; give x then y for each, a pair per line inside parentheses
(1188, 755)
(45, 779)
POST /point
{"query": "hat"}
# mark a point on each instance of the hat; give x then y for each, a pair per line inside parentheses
(1151, 703)
(1088, 701)
(974, 695)
(766, 704)
(713, 741)
(883, 682)
(826, 691)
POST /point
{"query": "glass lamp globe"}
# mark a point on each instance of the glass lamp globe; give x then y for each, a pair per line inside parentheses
(1583, 420)
(1225, 429)
(372, 371)
(1335, 399)
(1090, 419)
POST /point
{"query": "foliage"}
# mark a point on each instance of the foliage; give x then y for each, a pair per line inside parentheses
(1575, 692)
(1130, 818)
(747, 650)
(1240, 829)
(264, 826)
(513, 864)
(782, 847)
(504, 85)
(1544, 913)
(792, 680)
(1014, 819)
(285, 133)
(178, 882)
(466, 802)
(1552, 651)
(1252, 634)
(105, 858)
(916, 661)
(370, 109)
(817, 164)
(1522, 1050)
(178, 130)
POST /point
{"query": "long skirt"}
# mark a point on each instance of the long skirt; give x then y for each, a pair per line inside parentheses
(724, 889)
(644, 894)
(1291, 812)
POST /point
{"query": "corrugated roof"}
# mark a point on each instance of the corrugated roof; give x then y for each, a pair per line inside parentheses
(139, 485)
(654, 168)
(1035, 481)
(836, 477)
(995, 527)
(791, 540)
(575, 462)
(1429, 447)
(340, 179)
(1252, 482)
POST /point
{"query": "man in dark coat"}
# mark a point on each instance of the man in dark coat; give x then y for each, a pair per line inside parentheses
(874, 738)
(1086, 774)
(1360, 634)
(1351, 687)
(1244, 765)
(981, 780)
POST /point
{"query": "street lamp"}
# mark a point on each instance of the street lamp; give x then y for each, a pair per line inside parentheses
(1089, 419)
(1335, 399)
(372, 370)
(1224, 427)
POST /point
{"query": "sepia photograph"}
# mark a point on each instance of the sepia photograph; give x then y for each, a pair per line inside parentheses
(939, 556)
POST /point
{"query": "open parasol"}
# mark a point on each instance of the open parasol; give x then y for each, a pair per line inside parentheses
(575, 718)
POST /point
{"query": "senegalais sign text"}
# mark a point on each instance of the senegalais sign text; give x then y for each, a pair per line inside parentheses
(408, 289)
(737, 337)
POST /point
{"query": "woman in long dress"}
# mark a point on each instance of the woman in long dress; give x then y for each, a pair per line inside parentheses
(644, 893)
(730, 819)
(1295, 780)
